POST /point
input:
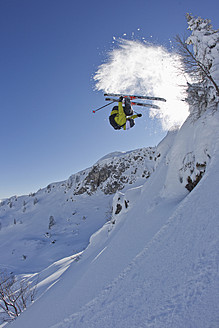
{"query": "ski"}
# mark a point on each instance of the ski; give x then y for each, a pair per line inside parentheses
(135, 103)
(134, 96)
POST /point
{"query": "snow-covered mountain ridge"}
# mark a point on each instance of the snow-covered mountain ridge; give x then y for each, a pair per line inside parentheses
(83, 220)
(154, 263)
(58, 220)
(114, 173)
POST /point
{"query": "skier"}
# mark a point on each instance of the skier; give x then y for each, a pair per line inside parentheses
(122, 117)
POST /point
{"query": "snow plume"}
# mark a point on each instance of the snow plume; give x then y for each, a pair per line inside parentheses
(135, 67)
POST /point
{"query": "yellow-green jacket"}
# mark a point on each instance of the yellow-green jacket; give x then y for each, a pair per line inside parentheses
(121, 118)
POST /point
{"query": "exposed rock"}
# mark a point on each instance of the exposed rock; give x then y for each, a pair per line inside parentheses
(192, 183)
(118, 208)
(112, 174)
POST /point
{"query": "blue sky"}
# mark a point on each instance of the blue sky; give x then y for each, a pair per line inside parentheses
(50, 50)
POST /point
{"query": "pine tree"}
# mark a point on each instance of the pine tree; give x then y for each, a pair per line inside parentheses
(202, 63)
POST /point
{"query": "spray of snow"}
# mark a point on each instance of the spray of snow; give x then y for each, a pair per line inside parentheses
(136, 67)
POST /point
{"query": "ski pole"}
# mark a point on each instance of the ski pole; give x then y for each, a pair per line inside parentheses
(94, 111)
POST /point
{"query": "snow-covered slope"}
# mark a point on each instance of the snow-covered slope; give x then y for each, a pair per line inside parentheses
(57, 221)
(154, 263)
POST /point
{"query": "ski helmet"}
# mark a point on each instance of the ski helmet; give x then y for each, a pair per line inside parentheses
(128, 107)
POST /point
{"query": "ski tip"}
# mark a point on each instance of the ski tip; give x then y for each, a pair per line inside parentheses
(111, 99)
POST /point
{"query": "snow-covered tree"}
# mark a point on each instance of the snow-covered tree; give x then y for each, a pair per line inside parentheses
(51, 221)
(14, 296)
(202, 63)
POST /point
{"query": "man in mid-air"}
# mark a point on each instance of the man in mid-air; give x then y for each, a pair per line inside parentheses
(122, 117)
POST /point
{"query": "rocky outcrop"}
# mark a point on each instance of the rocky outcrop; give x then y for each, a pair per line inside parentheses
(113, 174)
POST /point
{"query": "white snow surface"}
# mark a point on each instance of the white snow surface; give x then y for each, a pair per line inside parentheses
(154, 264)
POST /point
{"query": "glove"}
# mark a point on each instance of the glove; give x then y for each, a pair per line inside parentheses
(139, 115)
(120, 98)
